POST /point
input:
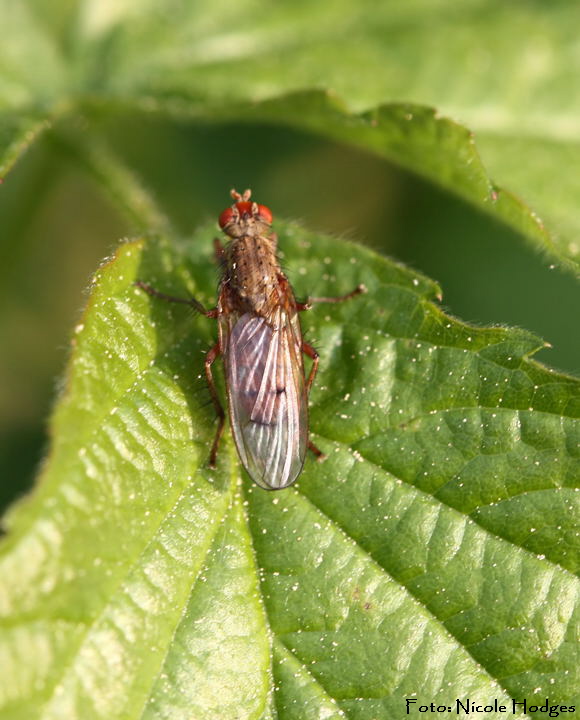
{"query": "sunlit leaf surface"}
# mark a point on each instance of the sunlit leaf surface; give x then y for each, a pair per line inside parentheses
(432, 555)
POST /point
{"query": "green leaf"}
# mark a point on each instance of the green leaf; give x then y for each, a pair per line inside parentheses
(17, 132)
(32, 81)
(506, 72)
(548, 179)
(32, 71)
(414, 137)
(209, 59)
(431, 555)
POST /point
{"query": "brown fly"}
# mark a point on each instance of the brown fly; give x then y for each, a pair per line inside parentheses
(262, 347)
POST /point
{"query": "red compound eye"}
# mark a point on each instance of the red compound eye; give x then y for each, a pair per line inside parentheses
(244, 209)
(265, 213)
(225, 217)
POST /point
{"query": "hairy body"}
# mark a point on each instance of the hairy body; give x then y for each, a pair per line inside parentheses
(261, 342)
(262, 346)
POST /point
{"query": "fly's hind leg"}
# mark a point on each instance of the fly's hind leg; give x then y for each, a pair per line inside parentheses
(320, 456)
(313, 355)
(209, 360)
(308, 349)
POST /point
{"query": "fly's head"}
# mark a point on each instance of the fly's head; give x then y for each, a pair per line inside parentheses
(245, 217)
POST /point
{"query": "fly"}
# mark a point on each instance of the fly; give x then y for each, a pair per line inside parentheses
(262, 347)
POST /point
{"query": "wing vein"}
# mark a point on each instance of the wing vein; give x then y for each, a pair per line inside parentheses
(267, 394)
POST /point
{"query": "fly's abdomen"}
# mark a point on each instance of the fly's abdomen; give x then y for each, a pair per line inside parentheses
(267, 396)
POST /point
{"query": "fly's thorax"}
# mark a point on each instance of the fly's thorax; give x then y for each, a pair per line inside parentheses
(253, 271)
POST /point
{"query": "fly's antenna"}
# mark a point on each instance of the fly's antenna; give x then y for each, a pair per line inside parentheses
(241, 198)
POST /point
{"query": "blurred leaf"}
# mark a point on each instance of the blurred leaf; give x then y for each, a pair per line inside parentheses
(17, 132)
(207, 58)
(32, 80)
(412, 136)
(32, 71)
(431, 553)
(546, 169)
(507, 71)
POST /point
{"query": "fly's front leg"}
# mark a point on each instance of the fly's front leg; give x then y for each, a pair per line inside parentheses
(311, 352)
(359, 290)
(209, 360)
(192, 302)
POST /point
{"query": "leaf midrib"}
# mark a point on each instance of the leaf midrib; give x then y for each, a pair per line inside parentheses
(202, 566)
(67, 666)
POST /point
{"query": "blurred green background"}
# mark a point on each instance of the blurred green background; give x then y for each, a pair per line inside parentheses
(56, 227)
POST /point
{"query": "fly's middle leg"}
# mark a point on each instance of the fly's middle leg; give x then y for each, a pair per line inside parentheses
(209, 360)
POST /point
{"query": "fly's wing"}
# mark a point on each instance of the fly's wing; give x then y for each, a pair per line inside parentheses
(267, 395)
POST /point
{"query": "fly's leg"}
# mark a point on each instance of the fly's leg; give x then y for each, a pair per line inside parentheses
(320, 456)
(313, 355)
(308, 349)
(359, 290)
(192, 302)
(311, 352)
(209, 360)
